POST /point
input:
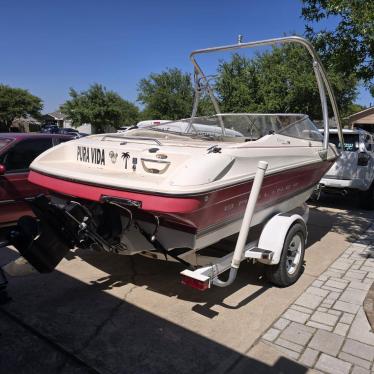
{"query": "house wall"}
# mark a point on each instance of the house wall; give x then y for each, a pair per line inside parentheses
(85, 127)
(364, 123)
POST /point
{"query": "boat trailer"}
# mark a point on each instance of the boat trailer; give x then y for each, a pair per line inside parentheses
(280, 246)
(284, 235)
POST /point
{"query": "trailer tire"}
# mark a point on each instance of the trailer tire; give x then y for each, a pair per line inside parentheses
(291, 263)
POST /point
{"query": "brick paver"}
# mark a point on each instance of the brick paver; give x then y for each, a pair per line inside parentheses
(332, 365)
(326, 328)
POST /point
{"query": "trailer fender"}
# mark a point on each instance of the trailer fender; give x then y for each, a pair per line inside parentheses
(274, 234)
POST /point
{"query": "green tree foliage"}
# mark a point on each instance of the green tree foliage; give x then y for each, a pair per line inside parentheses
(350, 45)
(280, 80)
(205, 107)
(17, 102)
(167, 95)
(353, 108)
(100, 108)
(237, 85)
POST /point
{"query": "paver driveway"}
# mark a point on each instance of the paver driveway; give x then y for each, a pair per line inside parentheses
(113, 314)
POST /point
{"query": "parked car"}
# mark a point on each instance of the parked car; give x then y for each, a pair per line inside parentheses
(54, 129)
(143, 124)
(17, 151)
(49, 129)
(354, 169)
(124, 128)
(69, 131)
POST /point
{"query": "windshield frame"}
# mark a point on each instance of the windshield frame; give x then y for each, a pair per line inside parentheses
(323, 82)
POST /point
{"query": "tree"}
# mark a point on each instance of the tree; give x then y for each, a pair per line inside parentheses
(352, 109)
(17, 102)
(167, 95)
(350, 45)
(280, 80)
(100, 108)
(237, 85)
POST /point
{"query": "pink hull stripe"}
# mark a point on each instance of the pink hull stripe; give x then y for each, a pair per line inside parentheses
(205, 210)
(230, 203)
(163, 204)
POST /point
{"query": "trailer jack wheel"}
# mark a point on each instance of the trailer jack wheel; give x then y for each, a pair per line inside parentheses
(290, 266)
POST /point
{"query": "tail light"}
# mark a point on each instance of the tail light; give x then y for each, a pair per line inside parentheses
(363, 159)
(197, 281)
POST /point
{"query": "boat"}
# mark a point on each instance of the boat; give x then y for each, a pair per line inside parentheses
(176, 187)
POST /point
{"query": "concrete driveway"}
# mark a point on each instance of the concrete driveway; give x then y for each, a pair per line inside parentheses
(115, 314)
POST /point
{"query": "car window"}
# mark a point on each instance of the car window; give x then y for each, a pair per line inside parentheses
(20, 156)
(351, 141)
(368, 142)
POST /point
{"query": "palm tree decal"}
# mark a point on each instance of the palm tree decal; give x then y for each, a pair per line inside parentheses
(125, 156)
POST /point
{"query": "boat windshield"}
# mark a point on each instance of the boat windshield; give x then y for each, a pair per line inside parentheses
(242, 127)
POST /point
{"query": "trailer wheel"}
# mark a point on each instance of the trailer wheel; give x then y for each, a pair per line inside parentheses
(290, 266)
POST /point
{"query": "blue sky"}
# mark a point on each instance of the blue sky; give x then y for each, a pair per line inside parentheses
(48, 46)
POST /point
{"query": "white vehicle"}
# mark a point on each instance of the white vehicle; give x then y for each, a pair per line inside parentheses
(123, 129)
(354, 169)
(142, 124)
(151, 122)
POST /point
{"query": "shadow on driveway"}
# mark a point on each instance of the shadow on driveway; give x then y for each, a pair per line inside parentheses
(56, 323)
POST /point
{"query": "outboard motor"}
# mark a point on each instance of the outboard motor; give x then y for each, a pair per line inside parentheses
(42, 243)
(63, 224)
(39, 243)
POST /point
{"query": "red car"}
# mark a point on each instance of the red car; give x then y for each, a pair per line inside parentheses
(17, 151)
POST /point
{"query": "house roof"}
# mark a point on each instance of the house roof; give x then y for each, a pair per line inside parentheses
(26, 119)
(363, 113)
(57, 115)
